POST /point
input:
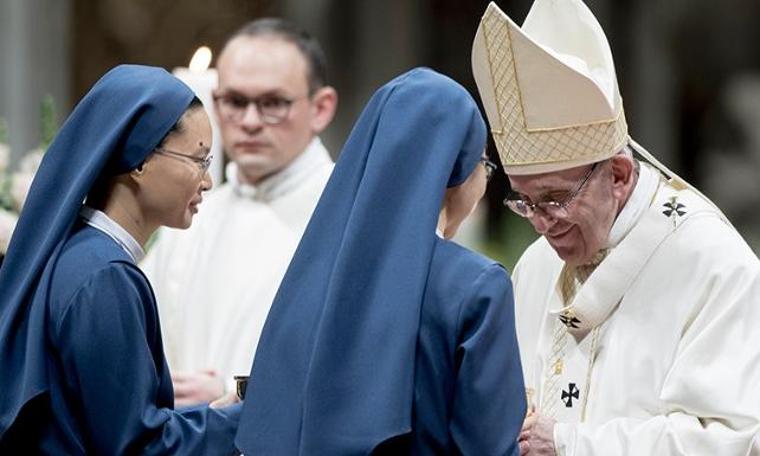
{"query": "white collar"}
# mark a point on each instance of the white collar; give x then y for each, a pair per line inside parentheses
(587, 310)
(640, 199)
(284, 181)
(99, 220)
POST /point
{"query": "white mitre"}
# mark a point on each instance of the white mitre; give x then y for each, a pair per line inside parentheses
(550, 91)
(549, 88)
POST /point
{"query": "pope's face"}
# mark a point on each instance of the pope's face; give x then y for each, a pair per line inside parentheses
(590, 215)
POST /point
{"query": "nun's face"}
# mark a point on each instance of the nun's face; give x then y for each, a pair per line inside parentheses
(461, 201)
(175, 176)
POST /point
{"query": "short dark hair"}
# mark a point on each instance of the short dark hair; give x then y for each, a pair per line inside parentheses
(179, 126)
(290, 32)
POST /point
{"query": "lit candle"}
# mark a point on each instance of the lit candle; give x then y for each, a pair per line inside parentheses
(203, 81)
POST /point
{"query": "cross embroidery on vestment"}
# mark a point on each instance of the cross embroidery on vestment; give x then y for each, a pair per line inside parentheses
(673, 208)
(567, 396)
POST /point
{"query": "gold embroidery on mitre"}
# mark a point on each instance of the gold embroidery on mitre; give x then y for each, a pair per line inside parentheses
(519, 146)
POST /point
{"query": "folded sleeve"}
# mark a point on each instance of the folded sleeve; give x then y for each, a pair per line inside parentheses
(489, 398)
(109, 342)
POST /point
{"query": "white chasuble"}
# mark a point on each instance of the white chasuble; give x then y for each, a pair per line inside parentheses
(657, 352)
(215, 282)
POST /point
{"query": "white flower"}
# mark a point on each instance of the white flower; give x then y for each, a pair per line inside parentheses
(5, 156)
(21, 180)
(31, 161)
(7, 224)
(20, 184)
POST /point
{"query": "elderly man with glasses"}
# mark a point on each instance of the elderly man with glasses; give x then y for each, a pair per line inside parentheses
(215, 282)
(636, 309)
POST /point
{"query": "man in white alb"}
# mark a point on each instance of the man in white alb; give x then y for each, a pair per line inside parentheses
(215, 282)
(637, 309)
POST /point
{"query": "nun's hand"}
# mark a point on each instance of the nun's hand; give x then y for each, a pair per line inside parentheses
(228, 399)
(191, 388)
(537, 436)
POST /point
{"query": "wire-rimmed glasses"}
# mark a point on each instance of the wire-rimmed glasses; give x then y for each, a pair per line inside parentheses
(202, 162)
(554, 209)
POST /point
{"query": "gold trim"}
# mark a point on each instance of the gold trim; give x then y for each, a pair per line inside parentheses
(584, 160)
(571, 127)
(486, 21)
(591, 158)
(522, 147)
(591, 361)
(516, 78)
(583, 125)
(620, 113)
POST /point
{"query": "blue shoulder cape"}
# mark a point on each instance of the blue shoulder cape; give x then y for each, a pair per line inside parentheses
(334, 369)
(111, 131)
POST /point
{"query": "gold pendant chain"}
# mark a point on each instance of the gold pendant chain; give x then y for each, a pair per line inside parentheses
(591, 360)
(570, 285)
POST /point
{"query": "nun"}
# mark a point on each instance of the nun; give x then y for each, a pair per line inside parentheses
(385, 337)
(82, 368)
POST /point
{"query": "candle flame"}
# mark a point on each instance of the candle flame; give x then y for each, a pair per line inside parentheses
(201, 60)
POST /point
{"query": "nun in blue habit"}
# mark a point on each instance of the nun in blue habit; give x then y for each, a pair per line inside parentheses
(384, 337)
(82, 368)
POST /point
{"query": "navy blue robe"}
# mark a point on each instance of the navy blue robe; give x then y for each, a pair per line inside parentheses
(110, 388)
(383, 338)
(469, 396)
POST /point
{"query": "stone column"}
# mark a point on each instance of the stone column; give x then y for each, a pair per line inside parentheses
(34, 45)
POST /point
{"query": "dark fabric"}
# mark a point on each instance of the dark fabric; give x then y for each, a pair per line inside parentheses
(334, 371)
(469, 391)
(110, 391)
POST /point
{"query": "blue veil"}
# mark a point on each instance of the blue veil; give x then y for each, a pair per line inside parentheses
(334, 369)
(111, 131)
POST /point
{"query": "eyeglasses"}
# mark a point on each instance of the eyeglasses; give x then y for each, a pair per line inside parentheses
(554, 209)
(489, 166)
(272, 109)
(202, 162)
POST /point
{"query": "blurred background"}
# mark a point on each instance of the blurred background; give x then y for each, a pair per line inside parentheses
(689, 73)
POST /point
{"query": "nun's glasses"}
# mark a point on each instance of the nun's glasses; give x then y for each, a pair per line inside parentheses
(202, 162)
(554, 209)
(489, 166)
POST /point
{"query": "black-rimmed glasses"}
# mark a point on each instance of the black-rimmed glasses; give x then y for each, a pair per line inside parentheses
(272, 109)
(554, 209)
(202, 162)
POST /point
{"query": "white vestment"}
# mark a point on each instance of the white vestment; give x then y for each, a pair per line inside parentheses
(668, 362)
(215, 282)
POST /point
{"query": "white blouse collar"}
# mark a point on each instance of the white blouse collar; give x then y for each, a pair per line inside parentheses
(99, 220)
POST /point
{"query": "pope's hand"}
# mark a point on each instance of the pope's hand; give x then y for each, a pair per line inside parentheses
(537, 436)
(192, 388)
